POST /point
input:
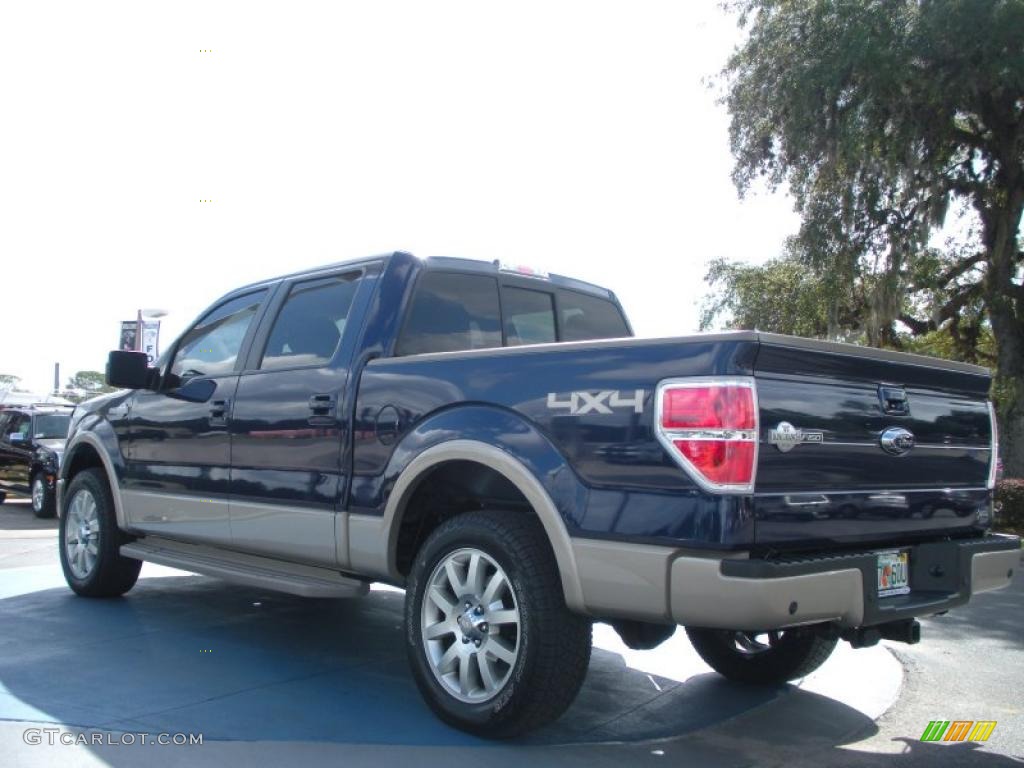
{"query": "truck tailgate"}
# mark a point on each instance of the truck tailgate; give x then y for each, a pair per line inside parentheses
(860, 445)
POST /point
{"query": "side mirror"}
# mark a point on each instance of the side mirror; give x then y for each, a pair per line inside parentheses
(130, 370)
(194, 391)
(16, 437)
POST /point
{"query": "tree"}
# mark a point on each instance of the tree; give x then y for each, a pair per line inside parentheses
(882, 116)
(784, 295)
(9, 381)
(781, 296)
(90, 381)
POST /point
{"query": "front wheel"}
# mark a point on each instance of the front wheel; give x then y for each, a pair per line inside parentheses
(42, 497)
(90, 540)
(764, 658)
(492, 646)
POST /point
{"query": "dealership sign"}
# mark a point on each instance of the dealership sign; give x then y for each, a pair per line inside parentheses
(141, 335)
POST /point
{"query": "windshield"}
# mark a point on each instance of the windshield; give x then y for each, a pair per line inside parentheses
(52, 425)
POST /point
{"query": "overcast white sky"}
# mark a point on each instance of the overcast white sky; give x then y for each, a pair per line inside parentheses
(578, 137)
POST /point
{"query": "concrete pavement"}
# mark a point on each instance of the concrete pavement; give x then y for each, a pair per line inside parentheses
(270, 679)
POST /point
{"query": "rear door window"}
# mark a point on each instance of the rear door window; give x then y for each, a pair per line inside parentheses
(529, 316)
(309, 327)
(451, 312)
(586, 317)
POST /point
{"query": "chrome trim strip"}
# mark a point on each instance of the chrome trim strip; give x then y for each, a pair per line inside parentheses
(862, 491)
(930, 446)
(732, 435)
(993, 465)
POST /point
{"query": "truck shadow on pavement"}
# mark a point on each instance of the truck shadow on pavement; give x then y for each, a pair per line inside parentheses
(286, 675)
(194, 655)
(188, 654)
(197, 655)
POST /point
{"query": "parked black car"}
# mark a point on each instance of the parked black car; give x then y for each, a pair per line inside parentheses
(31, 448)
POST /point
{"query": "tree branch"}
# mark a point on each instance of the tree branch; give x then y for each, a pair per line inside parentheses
(917, 327)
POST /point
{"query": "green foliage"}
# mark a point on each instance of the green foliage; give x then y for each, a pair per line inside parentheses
(941, 344)
(10, 383)
(883, 118)
(90, 381)
(878, 115)
(781, 296)
(1010, 505)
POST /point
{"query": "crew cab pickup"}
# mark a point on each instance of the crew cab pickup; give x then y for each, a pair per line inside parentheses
(495, 442)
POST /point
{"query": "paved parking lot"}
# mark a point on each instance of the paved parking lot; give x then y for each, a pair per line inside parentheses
(270, 679)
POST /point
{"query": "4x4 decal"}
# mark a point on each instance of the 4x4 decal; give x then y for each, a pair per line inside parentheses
(579, 403)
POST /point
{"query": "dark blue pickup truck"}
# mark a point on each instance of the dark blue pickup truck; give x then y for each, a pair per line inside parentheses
(494, 441)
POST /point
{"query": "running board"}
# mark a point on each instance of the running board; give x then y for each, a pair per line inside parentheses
(250, 570)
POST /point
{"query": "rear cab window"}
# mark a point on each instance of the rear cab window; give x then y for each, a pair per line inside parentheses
(583, 317)
(454, 312)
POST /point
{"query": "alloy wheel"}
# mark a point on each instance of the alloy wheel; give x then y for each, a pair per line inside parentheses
(470, 625)
(82, 534)
(38, 494)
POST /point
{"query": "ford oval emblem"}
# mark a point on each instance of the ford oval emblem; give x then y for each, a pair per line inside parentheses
(897, 441)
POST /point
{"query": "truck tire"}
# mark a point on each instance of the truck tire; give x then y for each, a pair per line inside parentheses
(90, 540)
(765, 658)
(493, 648)
(43, 505)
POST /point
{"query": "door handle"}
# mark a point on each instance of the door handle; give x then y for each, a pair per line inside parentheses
(323, 409)
(219, 412)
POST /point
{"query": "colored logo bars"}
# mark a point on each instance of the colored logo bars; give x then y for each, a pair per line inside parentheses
(958, 730)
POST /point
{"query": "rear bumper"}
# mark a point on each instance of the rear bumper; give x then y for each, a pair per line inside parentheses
(742, 593)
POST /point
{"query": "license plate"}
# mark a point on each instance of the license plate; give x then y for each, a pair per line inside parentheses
(893, 573)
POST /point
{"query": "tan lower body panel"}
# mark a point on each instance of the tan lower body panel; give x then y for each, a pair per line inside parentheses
(993, 570)
(184, 515)
(702, 596)
(661, 584)
(628, 581)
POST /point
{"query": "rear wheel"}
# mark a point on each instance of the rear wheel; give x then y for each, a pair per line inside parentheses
(90, 540)
(43, 504)
(766, 658)
(492, 646)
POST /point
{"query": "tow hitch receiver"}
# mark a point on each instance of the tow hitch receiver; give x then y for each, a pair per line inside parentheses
(905, 631)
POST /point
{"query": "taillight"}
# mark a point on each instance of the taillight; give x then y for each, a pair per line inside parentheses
(710, 427)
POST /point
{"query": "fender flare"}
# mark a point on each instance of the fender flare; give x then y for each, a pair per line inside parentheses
(373, 540)
(90, 439)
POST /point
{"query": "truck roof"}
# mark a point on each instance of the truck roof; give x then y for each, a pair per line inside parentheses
(447, 263)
